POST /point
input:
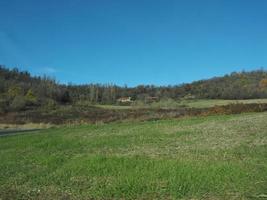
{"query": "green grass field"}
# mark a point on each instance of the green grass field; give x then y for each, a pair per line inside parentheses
(215, 157)
(207, 103)
(194, 103)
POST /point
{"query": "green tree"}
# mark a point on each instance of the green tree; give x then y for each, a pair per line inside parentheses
(18, 103)
(30, 98)
(14, 91)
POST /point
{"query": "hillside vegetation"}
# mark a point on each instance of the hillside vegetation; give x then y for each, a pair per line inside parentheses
(20, 91)
(215, 157)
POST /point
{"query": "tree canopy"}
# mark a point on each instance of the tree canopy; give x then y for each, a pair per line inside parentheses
(19, 90)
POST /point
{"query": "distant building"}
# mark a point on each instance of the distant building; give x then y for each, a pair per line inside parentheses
(124, 99)
(189, 96)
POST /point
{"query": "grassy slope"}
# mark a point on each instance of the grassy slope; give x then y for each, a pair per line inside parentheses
(206, 103)
(196, 103)
(216, 157)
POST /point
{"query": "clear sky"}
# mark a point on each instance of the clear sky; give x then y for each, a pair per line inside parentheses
(133, 41)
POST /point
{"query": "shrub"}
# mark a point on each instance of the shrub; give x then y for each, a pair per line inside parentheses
(236, 108)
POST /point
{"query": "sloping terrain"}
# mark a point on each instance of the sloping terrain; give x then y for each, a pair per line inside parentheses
(214, 157)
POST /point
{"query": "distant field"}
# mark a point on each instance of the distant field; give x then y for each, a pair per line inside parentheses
(196, 103)
(113, 107)
(202, 103)
(206, 103)
(215, 157)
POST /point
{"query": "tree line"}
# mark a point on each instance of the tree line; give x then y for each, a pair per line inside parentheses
(19, 90)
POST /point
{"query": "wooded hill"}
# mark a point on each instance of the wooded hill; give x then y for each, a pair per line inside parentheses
(19, 90)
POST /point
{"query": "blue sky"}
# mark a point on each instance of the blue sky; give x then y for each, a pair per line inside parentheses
(133, 42)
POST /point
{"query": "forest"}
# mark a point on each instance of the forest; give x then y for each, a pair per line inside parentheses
(19, 90)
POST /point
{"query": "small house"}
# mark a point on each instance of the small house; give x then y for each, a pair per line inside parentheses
(124, 99)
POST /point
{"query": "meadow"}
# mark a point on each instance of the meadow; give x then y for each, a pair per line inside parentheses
(212, 157)
(207, 103)
(183, 103)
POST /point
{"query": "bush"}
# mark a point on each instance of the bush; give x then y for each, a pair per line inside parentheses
(237, 108)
